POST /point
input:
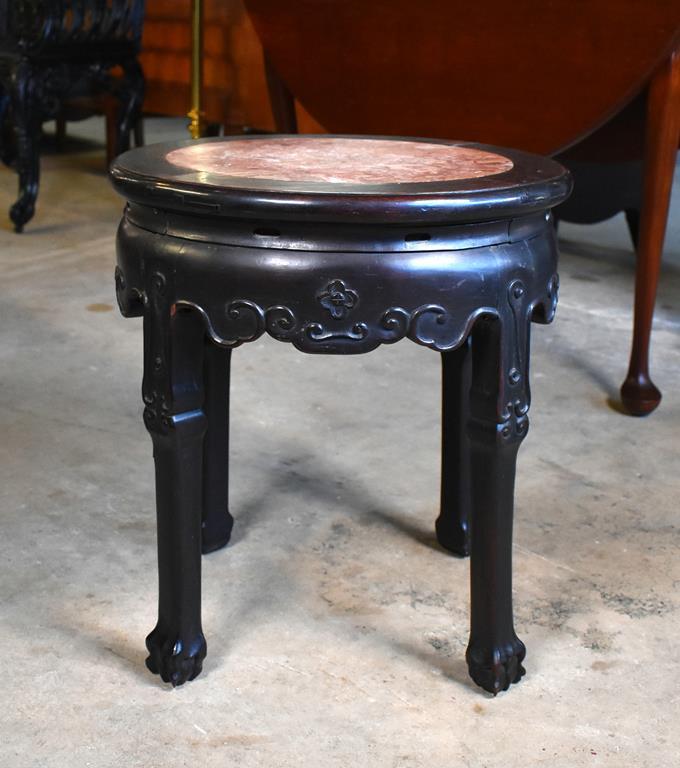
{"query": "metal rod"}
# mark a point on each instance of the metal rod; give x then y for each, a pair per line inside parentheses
(196, 114)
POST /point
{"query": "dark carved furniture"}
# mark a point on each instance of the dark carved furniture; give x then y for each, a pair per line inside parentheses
(337, 245)
(414, 68)
(53, 52)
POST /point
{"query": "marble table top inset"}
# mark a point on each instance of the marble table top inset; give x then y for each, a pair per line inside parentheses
(338, 160)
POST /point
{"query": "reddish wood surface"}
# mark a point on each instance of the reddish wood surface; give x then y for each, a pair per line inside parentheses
(543, 77)
(638, 392)
(539, 76)
(235, 92)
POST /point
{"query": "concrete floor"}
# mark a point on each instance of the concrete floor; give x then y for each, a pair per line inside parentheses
(336, 628)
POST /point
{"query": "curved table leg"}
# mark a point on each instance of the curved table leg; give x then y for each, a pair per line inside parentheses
(452, 525)
(217, 522)
(27, 127)
(173, 394)
(638, 392)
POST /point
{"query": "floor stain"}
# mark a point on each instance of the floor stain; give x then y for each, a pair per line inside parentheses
(636, 607)
(603, 666)
(552, 613)
(440, 644)
(99, 307)
(598, 640)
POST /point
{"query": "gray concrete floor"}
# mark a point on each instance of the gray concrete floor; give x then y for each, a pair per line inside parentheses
(336, 628)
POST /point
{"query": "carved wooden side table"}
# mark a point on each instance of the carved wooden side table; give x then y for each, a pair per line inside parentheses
(337, 245)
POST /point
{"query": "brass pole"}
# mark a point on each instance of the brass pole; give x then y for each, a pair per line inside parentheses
(195, 114)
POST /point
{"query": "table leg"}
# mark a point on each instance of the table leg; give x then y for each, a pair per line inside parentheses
(494, 652)
(173, 394)
(452, 525)
(217, 522)
(638, 392)
(281, 100)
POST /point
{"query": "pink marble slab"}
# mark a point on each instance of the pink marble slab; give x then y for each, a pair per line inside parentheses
(339, 161)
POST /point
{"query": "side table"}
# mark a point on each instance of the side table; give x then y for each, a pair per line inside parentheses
(337, 244)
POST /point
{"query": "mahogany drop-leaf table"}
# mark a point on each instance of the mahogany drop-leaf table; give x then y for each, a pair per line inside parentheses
(337, 244)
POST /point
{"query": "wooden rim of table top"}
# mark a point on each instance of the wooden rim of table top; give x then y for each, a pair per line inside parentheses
(519, 184)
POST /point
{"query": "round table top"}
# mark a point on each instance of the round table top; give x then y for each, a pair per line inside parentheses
(340, 178)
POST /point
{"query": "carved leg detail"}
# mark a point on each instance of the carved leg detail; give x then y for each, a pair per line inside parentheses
(173, 394)
(217, 522)
(452, 525)
(639, 394)
(27, 127)
(494, 653)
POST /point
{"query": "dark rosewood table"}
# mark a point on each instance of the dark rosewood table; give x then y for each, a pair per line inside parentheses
(337, 245)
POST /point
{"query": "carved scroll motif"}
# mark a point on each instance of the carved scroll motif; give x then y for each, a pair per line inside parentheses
(155, 388)
(432, 325)
(317, 332)
(514, 389)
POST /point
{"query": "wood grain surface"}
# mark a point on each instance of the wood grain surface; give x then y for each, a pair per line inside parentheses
(540, 76)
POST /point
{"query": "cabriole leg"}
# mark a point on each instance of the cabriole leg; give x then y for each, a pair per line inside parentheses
(173, 393)
(217, 522)
(494, 653)
(452, 525)
(638, 392)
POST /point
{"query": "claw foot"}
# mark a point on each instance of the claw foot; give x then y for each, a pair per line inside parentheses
(21, 213)
(175, 660)
(494, 669)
